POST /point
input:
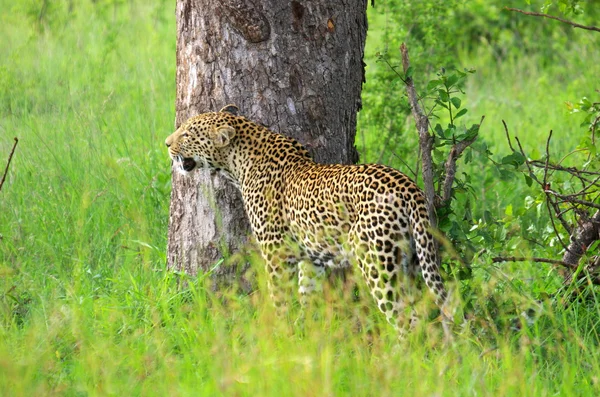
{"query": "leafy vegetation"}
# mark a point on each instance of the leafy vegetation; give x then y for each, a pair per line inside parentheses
(87, 307)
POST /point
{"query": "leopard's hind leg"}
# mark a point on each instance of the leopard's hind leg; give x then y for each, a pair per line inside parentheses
(386, 263)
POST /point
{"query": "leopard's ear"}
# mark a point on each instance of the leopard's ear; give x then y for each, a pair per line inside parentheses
(222, 135)
(231, 109)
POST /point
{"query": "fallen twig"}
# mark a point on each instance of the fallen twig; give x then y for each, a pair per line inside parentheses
(8, 162)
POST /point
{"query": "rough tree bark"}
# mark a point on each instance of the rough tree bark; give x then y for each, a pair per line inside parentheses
(586, 233)
(293, 66)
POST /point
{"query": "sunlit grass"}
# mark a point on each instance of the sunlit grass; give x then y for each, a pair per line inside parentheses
(140, 332)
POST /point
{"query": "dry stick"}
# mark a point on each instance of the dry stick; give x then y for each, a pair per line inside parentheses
(559, 215)
(507, 136)
(8, 163)
(540, 260)
(547, 160)
(550, 203)
(425, 140)
(568, 198)
(532, 175)
(538, 14)
(570, 170)
(527, 162)
(594, 124)
(584, 190)
(450, 165)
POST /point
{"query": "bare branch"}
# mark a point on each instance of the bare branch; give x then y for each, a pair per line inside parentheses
(548, 202)
(8, 162)
(547, 160)
(507, 136)
(425, 140)
(399, 158)
(552, 203)
(585, 189)
(571, 170)
(450, 165)
(527, 162)
(563, 222)
(539, 14)
(594, 124)
(570, 199)
(499, 259)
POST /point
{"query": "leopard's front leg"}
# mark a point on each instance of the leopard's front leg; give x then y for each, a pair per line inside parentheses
(310, 282)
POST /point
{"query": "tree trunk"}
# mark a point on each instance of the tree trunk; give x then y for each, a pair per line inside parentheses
(295, 67)
(586, 233)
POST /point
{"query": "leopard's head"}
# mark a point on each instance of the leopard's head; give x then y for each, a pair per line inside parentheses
(201, 140)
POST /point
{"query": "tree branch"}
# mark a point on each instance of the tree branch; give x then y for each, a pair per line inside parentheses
(499, 259)
(8, 162)
(570, 170)
(425, 140)
(507, 136)
(585, 234)
(528, 163)
(450, 165)
(569, 198)
(539, 14)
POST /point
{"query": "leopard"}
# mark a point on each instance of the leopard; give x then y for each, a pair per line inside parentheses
(309, 217)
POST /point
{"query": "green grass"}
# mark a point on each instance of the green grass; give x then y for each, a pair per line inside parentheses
(87, 307)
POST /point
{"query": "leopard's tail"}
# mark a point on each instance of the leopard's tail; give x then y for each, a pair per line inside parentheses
(427, 253)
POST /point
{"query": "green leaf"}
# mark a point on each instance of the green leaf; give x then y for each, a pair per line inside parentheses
(460, 113)
(488, 217)
(433, 84)
(452, 79)
(442, 104)
(528, 180)
(409, 72)
(515, 159)
(585, 103)
(470, 133)
(455, 101)
(506, 175)
(450, 132)
(438, 156)
(439, 130)
(468, 156)
(443, 96)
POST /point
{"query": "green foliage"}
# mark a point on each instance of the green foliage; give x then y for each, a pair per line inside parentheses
(514, 68)
(564, 6)
(447, 34)
(444, 90)
(591, 120)
(424, 26)
(525, 73)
